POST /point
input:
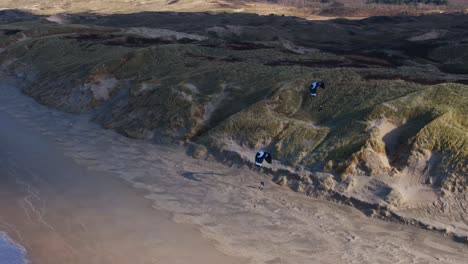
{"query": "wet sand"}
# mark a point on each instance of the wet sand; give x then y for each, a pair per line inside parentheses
(88, 213)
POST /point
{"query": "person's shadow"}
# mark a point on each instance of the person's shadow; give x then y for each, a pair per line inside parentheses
(260, 187)
(191, 175)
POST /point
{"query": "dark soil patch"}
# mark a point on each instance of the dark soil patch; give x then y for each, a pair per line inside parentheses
(370, 60)
(415, 80)
(239, 46)
(136, 42)
(417, 49)
(371, 56)
(10, 32)
(328, 64)
(454, 68)
(92, 37)
(465, 81)
(127, 41)
(314, 64)
(210, 58)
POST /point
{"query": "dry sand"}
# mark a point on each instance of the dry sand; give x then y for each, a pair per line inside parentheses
(88, 214)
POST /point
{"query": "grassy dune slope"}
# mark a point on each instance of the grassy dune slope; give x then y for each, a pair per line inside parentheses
(396, 90)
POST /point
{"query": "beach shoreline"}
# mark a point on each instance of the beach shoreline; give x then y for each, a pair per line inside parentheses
(205, 203)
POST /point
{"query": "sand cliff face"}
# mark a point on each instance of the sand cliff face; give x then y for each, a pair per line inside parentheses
(392, 131)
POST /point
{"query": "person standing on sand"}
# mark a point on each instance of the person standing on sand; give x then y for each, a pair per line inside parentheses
(262, 186)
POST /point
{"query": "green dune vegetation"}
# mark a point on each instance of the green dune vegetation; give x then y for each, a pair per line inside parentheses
(396, 90)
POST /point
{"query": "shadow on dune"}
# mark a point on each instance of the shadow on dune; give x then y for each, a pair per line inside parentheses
(366, 43)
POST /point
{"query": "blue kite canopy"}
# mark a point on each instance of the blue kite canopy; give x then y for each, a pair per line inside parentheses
(314, 86)
(260, 156)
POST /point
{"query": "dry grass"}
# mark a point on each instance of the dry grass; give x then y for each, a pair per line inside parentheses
(307, 9)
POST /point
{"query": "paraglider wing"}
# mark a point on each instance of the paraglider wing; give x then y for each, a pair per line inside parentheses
(313, 89)
(259, 158)
(268, 157)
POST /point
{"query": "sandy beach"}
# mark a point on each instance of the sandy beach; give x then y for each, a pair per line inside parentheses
(63, 213)
(72, 192)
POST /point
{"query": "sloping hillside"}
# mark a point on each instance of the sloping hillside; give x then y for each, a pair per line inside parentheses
(392, 131)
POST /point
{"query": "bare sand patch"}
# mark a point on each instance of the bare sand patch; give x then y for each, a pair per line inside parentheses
(101, 86)
(431, 35)
(59, 19)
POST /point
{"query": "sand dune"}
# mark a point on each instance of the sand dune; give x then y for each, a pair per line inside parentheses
(90, 216)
